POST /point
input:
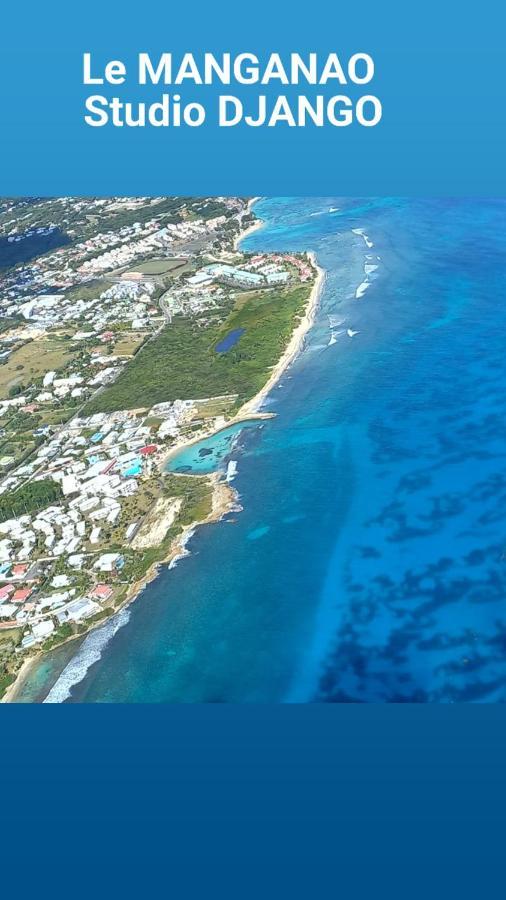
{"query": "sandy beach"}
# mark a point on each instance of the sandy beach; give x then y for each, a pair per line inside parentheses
(251, 228)
(13, 690)
(296, 342)
(293, 348)
(225, 498)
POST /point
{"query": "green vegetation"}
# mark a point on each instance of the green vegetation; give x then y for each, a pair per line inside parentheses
(18, 448)
(88, 290)
(152, 422)
(196, 493)
(103, 614)
(169, 208)
(9, 640)
(63, 633)
(133, 509)
(128, 344)
(54, 415)
(8, 322)
(29, 498)
(208, 208)
(182, 363)
(6, 679)
(215, 406)
(9, 637)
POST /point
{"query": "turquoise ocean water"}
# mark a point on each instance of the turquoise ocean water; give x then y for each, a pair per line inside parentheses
(211, 454)
(369, 560)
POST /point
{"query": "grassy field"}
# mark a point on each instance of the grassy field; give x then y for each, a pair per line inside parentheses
(90, 290)
(128, 343)
(182, 363)
(55, 416)
(10, 636)
(215, 406)
(18, 447)
(32, 360)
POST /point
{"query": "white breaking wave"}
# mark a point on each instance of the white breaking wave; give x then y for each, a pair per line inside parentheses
(324, 212)
(89, 652)
(184, 550)
(362, 289)
(369, 266)
(362, 234)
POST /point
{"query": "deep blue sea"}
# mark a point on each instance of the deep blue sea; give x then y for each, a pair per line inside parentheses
(369, 560)
(30, 246)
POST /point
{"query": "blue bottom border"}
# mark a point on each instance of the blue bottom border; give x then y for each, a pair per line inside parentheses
(314, 794)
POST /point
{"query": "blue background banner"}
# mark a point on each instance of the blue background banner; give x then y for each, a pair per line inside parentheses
(439, 75)
(266, 801)
(255, 801)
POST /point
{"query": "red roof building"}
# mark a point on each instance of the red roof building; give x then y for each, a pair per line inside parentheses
(6, 590)
(19, 570)
(21, 595)
(101, 592)
(148, 449)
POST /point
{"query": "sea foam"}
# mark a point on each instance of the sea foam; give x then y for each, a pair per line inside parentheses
(362, 289)
(184, 549)
(362, 234)
(89, 652)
